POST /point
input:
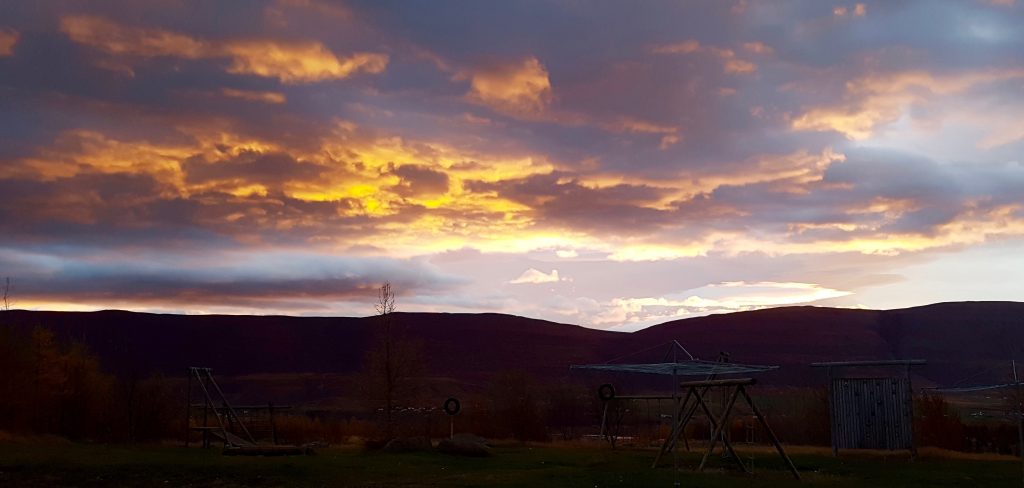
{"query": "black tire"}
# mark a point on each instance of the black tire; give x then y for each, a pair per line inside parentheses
(606, 392)
(452, 406)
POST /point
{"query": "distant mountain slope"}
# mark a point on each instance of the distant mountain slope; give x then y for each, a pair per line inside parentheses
(459, 345)
(958, 339)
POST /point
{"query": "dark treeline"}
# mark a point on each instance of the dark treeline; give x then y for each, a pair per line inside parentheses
(48, 387)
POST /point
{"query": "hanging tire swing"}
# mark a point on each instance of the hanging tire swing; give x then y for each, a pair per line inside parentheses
(452, 406)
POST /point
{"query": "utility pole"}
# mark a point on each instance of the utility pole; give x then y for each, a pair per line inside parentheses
(1020, 419)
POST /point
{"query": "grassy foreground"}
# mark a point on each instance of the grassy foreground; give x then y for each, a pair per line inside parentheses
(64, 464)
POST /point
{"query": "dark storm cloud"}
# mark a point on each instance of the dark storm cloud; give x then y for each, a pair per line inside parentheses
(912, 194)
(254, 279)
(573, 205)
(268, 169)
(421, 180)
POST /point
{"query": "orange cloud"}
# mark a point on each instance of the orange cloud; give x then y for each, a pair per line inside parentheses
(730, 62)
(255, 96)
(858, 10)
(523, 90)
(298, 62)
(115, 38)
(517, 88)
(668, 141)
(8, 38)
(758, 48)
(684, 47)
(290, 62)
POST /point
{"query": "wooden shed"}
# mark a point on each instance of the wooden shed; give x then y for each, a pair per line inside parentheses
(868, 410)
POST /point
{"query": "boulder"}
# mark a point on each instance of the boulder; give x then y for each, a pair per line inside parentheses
(407, 444)
(465, 445)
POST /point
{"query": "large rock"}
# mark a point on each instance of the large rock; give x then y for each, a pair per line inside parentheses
(465, 445)
(407, 444)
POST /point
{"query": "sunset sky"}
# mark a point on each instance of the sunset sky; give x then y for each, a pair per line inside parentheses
(608, 164)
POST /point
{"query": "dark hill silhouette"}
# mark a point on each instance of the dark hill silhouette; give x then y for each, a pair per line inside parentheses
(455, 345)
(958, 339)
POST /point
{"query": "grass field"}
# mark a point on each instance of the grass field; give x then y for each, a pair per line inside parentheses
(65, 464)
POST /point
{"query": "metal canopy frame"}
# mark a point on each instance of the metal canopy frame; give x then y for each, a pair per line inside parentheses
(673, 365)
(691, 367)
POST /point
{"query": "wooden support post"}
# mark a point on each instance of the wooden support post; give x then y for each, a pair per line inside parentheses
(1020, 418)
(209, 403)
(832, 421)
(188, 408)
(685, 419)
(909, 416)
(718, 428)
(604, 419)
(231, 411)
(678, 426)
(679, 422)
(231, 418)
(770, 432)
(273, 426)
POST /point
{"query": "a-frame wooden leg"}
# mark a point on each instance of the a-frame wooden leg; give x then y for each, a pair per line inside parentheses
(604, 419)
(771, 433)
(718, 428)
(686, 420)
(678, 424)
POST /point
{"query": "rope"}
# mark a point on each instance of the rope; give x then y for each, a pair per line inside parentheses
(634, 353)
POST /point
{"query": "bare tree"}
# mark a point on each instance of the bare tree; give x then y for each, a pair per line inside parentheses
(6, 304)
(385, 310)
(391, 362)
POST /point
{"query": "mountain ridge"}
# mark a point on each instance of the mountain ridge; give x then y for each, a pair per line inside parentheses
(957, 338)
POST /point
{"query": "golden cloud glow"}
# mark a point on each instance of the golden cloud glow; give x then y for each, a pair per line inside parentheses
(363, 173)
(8, 38)
(289, 62)
(298, 62)
(82, 151)
(517, 88)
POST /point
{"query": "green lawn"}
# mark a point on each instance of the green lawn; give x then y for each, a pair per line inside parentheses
(94, 465)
